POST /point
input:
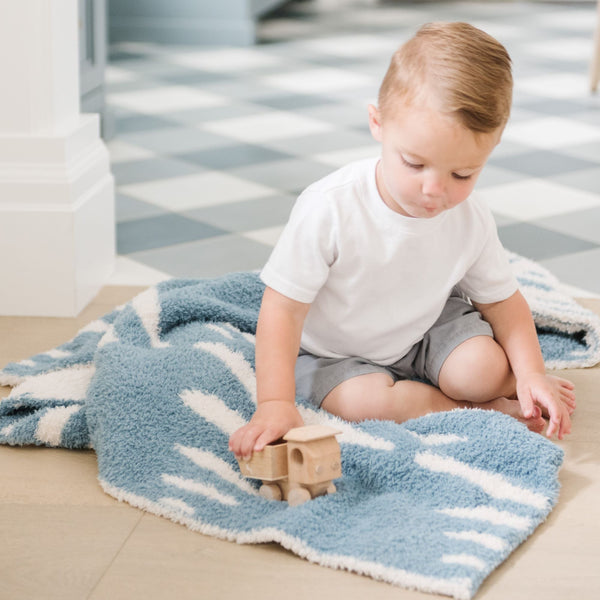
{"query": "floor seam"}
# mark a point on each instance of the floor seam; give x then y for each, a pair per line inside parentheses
(114, 558)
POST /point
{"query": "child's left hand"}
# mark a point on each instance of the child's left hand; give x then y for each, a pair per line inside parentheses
(554, 395)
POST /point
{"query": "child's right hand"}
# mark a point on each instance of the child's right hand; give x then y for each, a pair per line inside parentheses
(272, 420)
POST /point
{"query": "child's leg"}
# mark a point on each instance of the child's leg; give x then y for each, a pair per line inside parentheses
(376, 396)
(478, 370)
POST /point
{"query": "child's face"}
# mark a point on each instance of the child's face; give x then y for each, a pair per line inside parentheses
(429, 161)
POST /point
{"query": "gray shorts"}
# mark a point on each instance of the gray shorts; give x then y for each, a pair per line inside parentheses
(317, 376)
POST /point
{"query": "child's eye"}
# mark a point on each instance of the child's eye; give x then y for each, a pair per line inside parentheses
(411, 165)
(461, 177)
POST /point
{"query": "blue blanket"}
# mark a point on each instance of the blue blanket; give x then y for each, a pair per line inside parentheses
(157, 386)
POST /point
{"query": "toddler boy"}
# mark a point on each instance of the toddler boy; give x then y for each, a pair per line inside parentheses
(389, 295)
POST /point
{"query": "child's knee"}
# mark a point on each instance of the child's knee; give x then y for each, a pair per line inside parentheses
(361, 397)
(477, 370)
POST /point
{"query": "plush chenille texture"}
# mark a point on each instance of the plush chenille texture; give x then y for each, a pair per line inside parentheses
(157, 386)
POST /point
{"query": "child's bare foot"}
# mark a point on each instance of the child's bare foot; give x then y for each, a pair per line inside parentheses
(512, 408)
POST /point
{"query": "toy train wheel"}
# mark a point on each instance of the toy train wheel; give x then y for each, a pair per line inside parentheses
(270, 491)
(298, 496)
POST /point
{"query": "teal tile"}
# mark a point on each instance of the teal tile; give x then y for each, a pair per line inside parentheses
(538, 243)
(130, 209)
(207, 258)
(247, 215)
(543, 163)
(161, 231)
(228, 157)
(151, 169)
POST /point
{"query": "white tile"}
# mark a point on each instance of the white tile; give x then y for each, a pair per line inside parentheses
(343, 157)
(343, 114)
(556, 85)
(384, 15)
(492, 176)
(130, 272)
(120, 151)
(320, 81)
(535, 198)
(571, 48)
(268, 235)
(579, 20)
(164, 99)
(140, 48)
(272, 126)
(353, 46)
(117, 75)
(509, 148)
(225, 60)
(580, 269)
(551, 132)
(585, 151)
(518, 114)
(591, 116)
(503, 32)
(582, 179)
(195, 191)
(178, 139)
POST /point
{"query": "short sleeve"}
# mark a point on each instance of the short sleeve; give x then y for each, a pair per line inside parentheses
(300, 262)
(490, 278)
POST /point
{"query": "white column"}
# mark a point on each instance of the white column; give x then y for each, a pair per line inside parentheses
(57, 224)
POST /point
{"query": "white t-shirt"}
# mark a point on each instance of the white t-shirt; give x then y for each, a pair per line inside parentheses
(377, 280)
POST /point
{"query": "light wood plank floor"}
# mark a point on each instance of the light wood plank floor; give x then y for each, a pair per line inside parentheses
(62, 537)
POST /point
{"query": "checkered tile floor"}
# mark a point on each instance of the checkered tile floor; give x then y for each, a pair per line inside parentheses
(214, 144)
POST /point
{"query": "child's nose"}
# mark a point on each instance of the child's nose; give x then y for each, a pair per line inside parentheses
(433, 185)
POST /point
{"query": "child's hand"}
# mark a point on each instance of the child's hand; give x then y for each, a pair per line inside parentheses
(272, 420)
(553, 394)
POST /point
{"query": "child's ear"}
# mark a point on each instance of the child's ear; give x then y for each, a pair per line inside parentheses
(375, 122)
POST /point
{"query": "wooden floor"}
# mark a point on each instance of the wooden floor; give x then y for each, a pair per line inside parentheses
(62, 537)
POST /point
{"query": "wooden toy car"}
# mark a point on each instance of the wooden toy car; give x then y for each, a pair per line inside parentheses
(298, 467)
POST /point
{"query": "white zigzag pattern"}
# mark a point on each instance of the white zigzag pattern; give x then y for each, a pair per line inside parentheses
(69, 384)
(213, 409)
(489, 541)
(438, 439)
(51, 425)
(493, 484)
(490, 515)
(109, 337)
(235, 361)
(223, 327)
(97, 326)
(6, 431)
(178, 505)
(57, 353)
(147, 307)
(467, 560)
(219, 329)
(207, 460)
(203, 489)
(349, 435)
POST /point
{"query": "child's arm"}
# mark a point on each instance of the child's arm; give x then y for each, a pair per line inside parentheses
(277, 343)
(514, 330)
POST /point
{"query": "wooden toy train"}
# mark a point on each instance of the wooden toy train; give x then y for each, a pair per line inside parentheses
(300, 466)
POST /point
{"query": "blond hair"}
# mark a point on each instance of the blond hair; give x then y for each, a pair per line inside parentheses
(455, 68)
